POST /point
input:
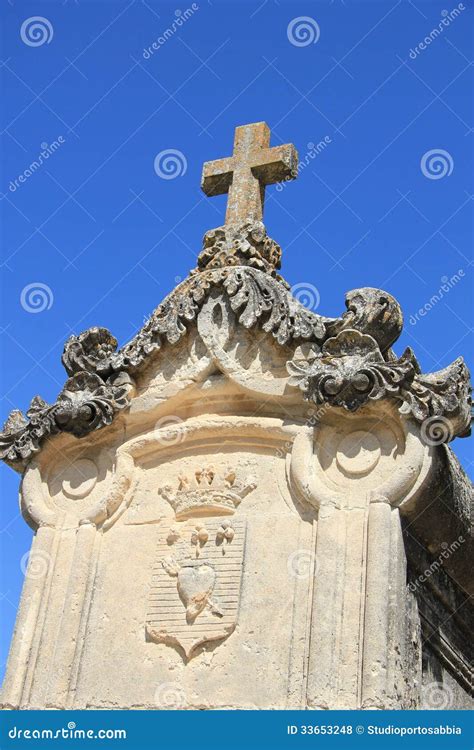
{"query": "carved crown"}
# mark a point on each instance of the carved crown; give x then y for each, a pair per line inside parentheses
(207, 493)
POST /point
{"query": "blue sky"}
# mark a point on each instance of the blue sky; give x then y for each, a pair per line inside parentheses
(107, 237)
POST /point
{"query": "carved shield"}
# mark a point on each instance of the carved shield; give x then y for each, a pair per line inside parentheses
(196, 582)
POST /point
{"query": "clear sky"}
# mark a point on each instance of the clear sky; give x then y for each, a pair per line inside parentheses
(385, 201)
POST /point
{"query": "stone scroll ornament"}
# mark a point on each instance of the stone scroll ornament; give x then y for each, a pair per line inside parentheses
(345, 361)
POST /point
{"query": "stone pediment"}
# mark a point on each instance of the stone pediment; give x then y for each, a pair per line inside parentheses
(345, 362)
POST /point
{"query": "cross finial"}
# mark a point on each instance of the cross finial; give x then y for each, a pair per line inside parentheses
(244, 174)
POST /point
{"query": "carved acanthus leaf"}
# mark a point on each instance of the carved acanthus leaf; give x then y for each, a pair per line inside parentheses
(445, 394)
(15, 422)
(246, 244)
(350, 371)
(86, 403)
(259, 297)
(255, 296)
(89, 352)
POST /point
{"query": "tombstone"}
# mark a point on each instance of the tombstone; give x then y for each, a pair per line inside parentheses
(249, 505)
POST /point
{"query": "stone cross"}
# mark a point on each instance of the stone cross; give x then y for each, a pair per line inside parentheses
(244, 174)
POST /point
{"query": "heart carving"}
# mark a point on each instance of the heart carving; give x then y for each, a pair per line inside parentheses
(195, 586)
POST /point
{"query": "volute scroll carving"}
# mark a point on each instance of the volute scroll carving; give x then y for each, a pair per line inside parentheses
(344, 461)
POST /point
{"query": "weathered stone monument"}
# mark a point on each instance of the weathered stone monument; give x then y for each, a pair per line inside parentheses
(249, 505)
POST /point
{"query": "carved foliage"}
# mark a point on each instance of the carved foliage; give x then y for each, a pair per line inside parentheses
(354, 365)
(350, 370)
(89, 352)
(443, 395)
(255, 296)
(85, 404)
(246, 244)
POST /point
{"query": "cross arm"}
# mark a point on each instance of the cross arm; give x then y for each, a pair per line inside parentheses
(217, 176)
(276, 164)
